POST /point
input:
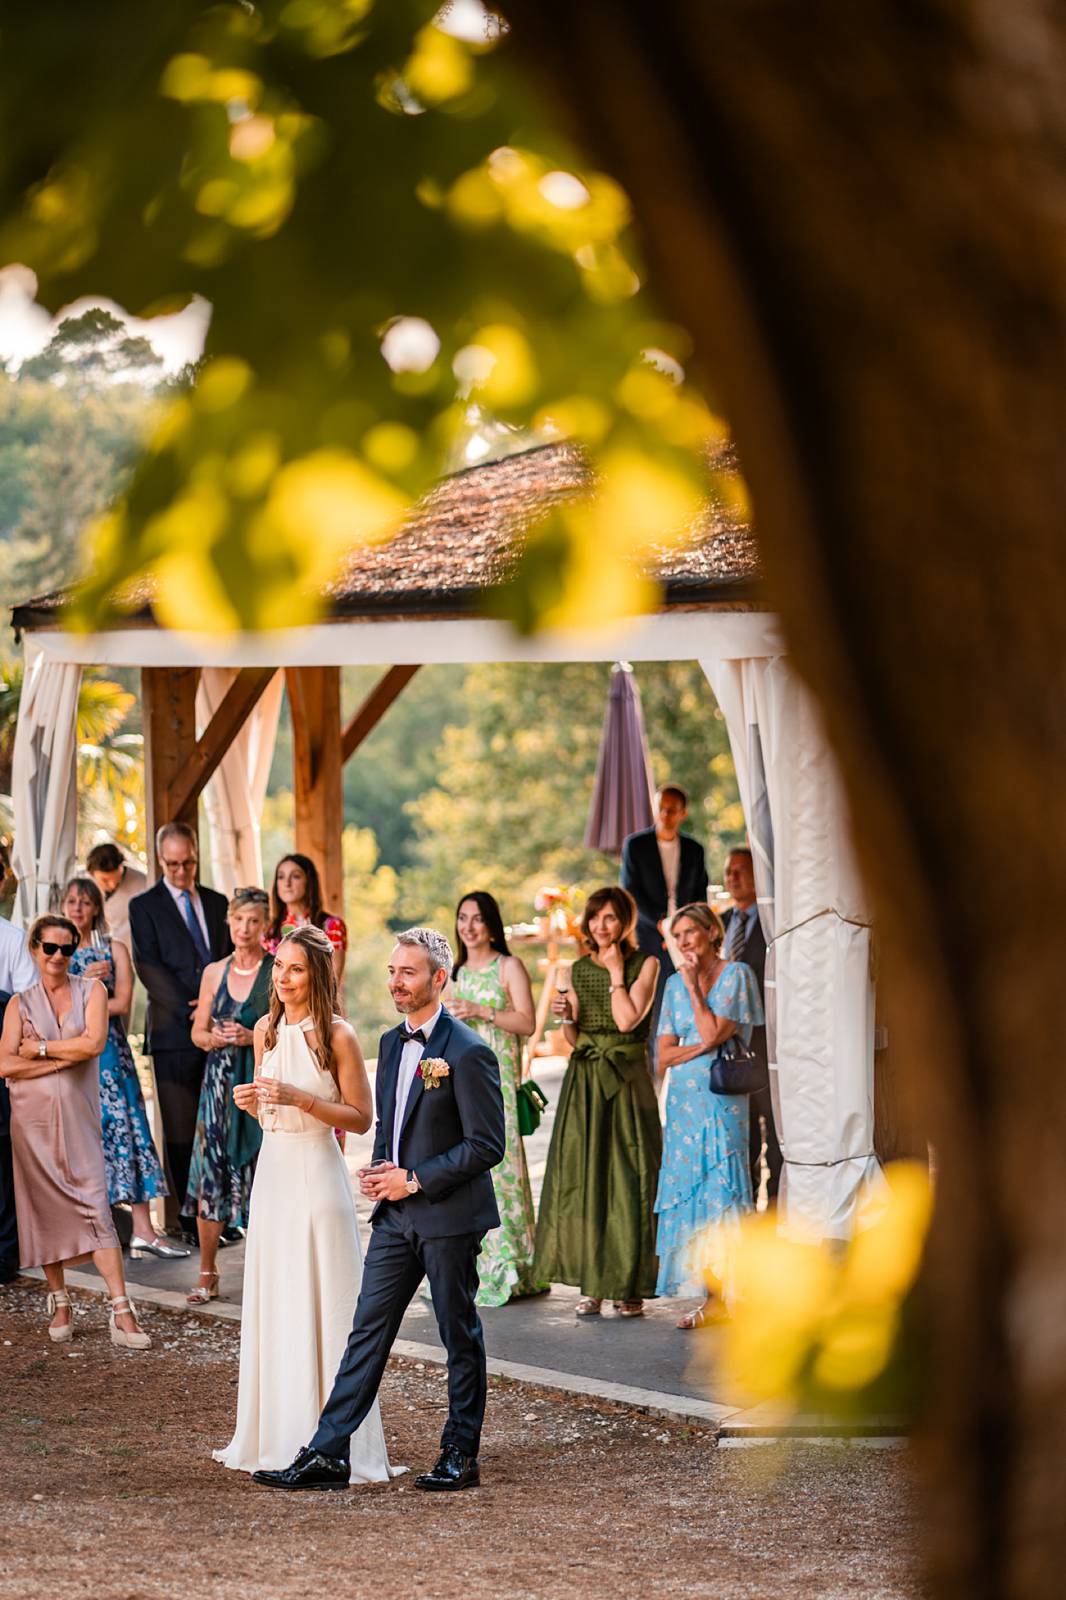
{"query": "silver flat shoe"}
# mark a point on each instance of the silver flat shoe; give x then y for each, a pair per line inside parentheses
(157, 1247)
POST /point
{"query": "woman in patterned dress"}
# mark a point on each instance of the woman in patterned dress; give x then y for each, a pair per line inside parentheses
(595, 1227)
(705, 1181)
(492, 994)
(295, 900)
(219, 1180)
(134, 1171)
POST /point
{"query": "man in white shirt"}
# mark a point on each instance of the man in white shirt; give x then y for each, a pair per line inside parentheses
(118, 881)
(663, 869)
(17, 972)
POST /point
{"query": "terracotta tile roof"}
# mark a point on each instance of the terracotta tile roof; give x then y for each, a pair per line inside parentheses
(465, 537)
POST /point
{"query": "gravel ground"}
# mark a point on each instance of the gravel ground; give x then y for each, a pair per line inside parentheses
(109, 1489)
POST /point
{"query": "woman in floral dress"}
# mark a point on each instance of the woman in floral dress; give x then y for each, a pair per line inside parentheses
(491, 993)
(705, 1180)
(134, 1171)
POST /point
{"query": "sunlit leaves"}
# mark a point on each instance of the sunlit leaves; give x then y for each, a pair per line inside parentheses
(389, 233)
(818, 1323)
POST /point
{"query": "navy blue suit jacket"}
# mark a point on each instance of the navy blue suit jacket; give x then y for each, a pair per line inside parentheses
(167, 962)
(452, 1136)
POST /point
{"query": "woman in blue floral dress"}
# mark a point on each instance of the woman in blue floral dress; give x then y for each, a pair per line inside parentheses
(134, 1171)
(704, 1181)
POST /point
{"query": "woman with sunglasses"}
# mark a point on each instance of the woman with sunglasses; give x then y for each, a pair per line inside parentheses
(50, 1047)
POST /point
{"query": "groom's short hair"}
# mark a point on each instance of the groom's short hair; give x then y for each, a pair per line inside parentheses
(433, 943)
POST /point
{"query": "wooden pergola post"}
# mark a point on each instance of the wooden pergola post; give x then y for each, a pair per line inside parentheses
(177, 764)
(315, 707)
(168, 703)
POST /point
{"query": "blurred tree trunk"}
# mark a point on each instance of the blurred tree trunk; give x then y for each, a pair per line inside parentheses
(860, 213)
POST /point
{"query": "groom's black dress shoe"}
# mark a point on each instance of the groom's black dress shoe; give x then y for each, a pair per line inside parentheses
(310, 1470)
(453, 1470)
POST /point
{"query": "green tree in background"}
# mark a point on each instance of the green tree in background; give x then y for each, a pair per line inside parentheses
(509, 805)
(94, 348)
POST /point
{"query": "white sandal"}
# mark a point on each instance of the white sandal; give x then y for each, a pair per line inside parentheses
(139, 1340)
(203, 1291)
(56, 1300)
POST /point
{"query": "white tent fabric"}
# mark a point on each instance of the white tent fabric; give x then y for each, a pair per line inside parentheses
(44, 782)
(667, 636)
(233, 800)
(820, 1001)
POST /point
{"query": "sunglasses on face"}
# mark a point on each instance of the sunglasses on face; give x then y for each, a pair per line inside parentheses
(50, 948)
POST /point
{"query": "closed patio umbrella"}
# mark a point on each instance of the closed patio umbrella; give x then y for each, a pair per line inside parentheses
(622, 795)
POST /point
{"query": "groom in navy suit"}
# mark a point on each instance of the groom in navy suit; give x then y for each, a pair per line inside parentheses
(440, 1131)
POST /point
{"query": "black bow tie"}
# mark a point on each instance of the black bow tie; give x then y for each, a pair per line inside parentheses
(418, 1037)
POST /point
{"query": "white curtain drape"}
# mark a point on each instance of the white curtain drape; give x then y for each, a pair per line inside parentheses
(820, 1001)
(44, 782)
(233, 800)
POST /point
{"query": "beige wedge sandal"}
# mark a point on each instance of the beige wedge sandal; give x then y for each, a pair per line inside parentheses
(57, 1299)
(138, 1340)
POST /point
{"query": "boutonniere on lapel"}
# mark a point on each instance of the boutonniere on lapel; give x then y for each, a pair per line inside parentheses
(431, 1069)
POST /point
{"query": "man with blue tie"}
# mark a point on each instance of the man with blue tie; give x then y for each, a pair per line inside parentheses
(177, 927)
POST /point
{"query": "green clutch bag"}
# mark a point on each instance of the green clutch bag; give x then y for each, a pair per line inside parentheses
(532, 1103)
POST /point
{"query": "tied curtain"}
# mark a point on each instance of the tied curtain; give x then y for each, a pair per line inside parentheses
(44, 783)
(813, 909)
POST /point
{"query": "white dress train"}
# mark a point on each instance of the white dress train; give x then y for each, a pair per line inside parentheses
(303, 1268)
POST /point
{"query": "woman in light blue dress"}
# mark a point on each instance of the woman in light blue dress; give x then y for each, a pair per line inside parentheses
(704, 1181)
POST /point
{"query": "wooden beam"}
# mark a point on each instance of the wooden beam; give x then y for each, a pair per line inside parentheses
(202, 762)
(168, 705)
(374, 708)
(315, 707)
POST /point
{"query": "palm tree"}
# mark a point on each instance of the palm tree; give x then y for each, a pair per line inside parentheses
(110, 768)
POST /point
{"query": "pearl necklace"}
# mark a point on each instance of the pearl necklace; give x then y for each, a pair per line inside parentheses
(243, 972)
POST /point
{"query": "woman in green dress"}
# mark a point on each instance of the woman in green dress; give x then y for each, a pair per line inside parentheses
(491, 994)
(597, 1227)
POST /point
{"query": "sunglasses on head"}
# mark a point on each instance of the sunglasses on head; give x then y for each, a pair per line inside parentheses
(256, 896)
(50, 948)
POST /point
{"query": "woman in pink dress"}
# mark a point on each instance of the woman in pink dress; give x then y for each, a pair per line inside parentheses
(50, 1048)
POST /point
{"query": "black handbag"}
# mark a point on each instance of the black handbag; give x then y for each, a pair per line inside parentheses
(738, 1070)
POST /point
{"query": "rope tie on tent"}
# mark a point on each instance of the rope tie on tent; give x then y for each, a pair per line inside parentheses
(827, 911)
(864, 1155)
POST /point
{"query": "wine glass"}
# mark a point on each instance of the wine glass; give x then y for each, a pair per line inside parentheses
(562, 984)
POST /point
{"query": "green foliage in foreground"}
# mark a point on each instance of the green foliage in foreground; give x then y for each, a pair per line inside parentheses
(385, 224)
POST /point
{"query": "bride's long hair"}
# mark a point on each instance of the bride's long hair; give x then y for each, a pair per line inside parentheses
(321, 993)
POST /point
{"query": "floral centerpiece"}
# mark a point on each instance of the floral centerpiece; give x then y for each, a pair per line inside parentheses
(559, 910)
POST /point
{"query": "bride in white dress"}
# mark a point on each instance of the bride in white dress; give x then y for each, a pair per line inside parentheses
(303, 1263)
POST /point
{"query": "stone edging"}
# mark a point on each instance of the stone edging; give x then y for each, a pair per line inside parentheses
(756, 1423)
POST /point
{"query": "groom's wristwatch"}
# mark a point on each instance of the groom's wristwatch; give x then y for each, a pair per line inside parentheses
(412, 1184)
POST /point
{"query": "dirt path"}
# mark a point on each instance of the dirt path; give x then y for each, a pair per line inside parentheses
(108, 1489)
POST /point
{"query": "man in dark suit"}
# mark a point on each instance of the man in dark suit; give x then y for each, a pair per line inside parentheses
(663, 869)
(440, 1131)
(745, 941)
(177, 927)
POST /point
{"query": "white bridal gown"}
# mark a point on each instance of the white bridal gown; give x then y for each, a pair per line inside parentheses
(303, 1267)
